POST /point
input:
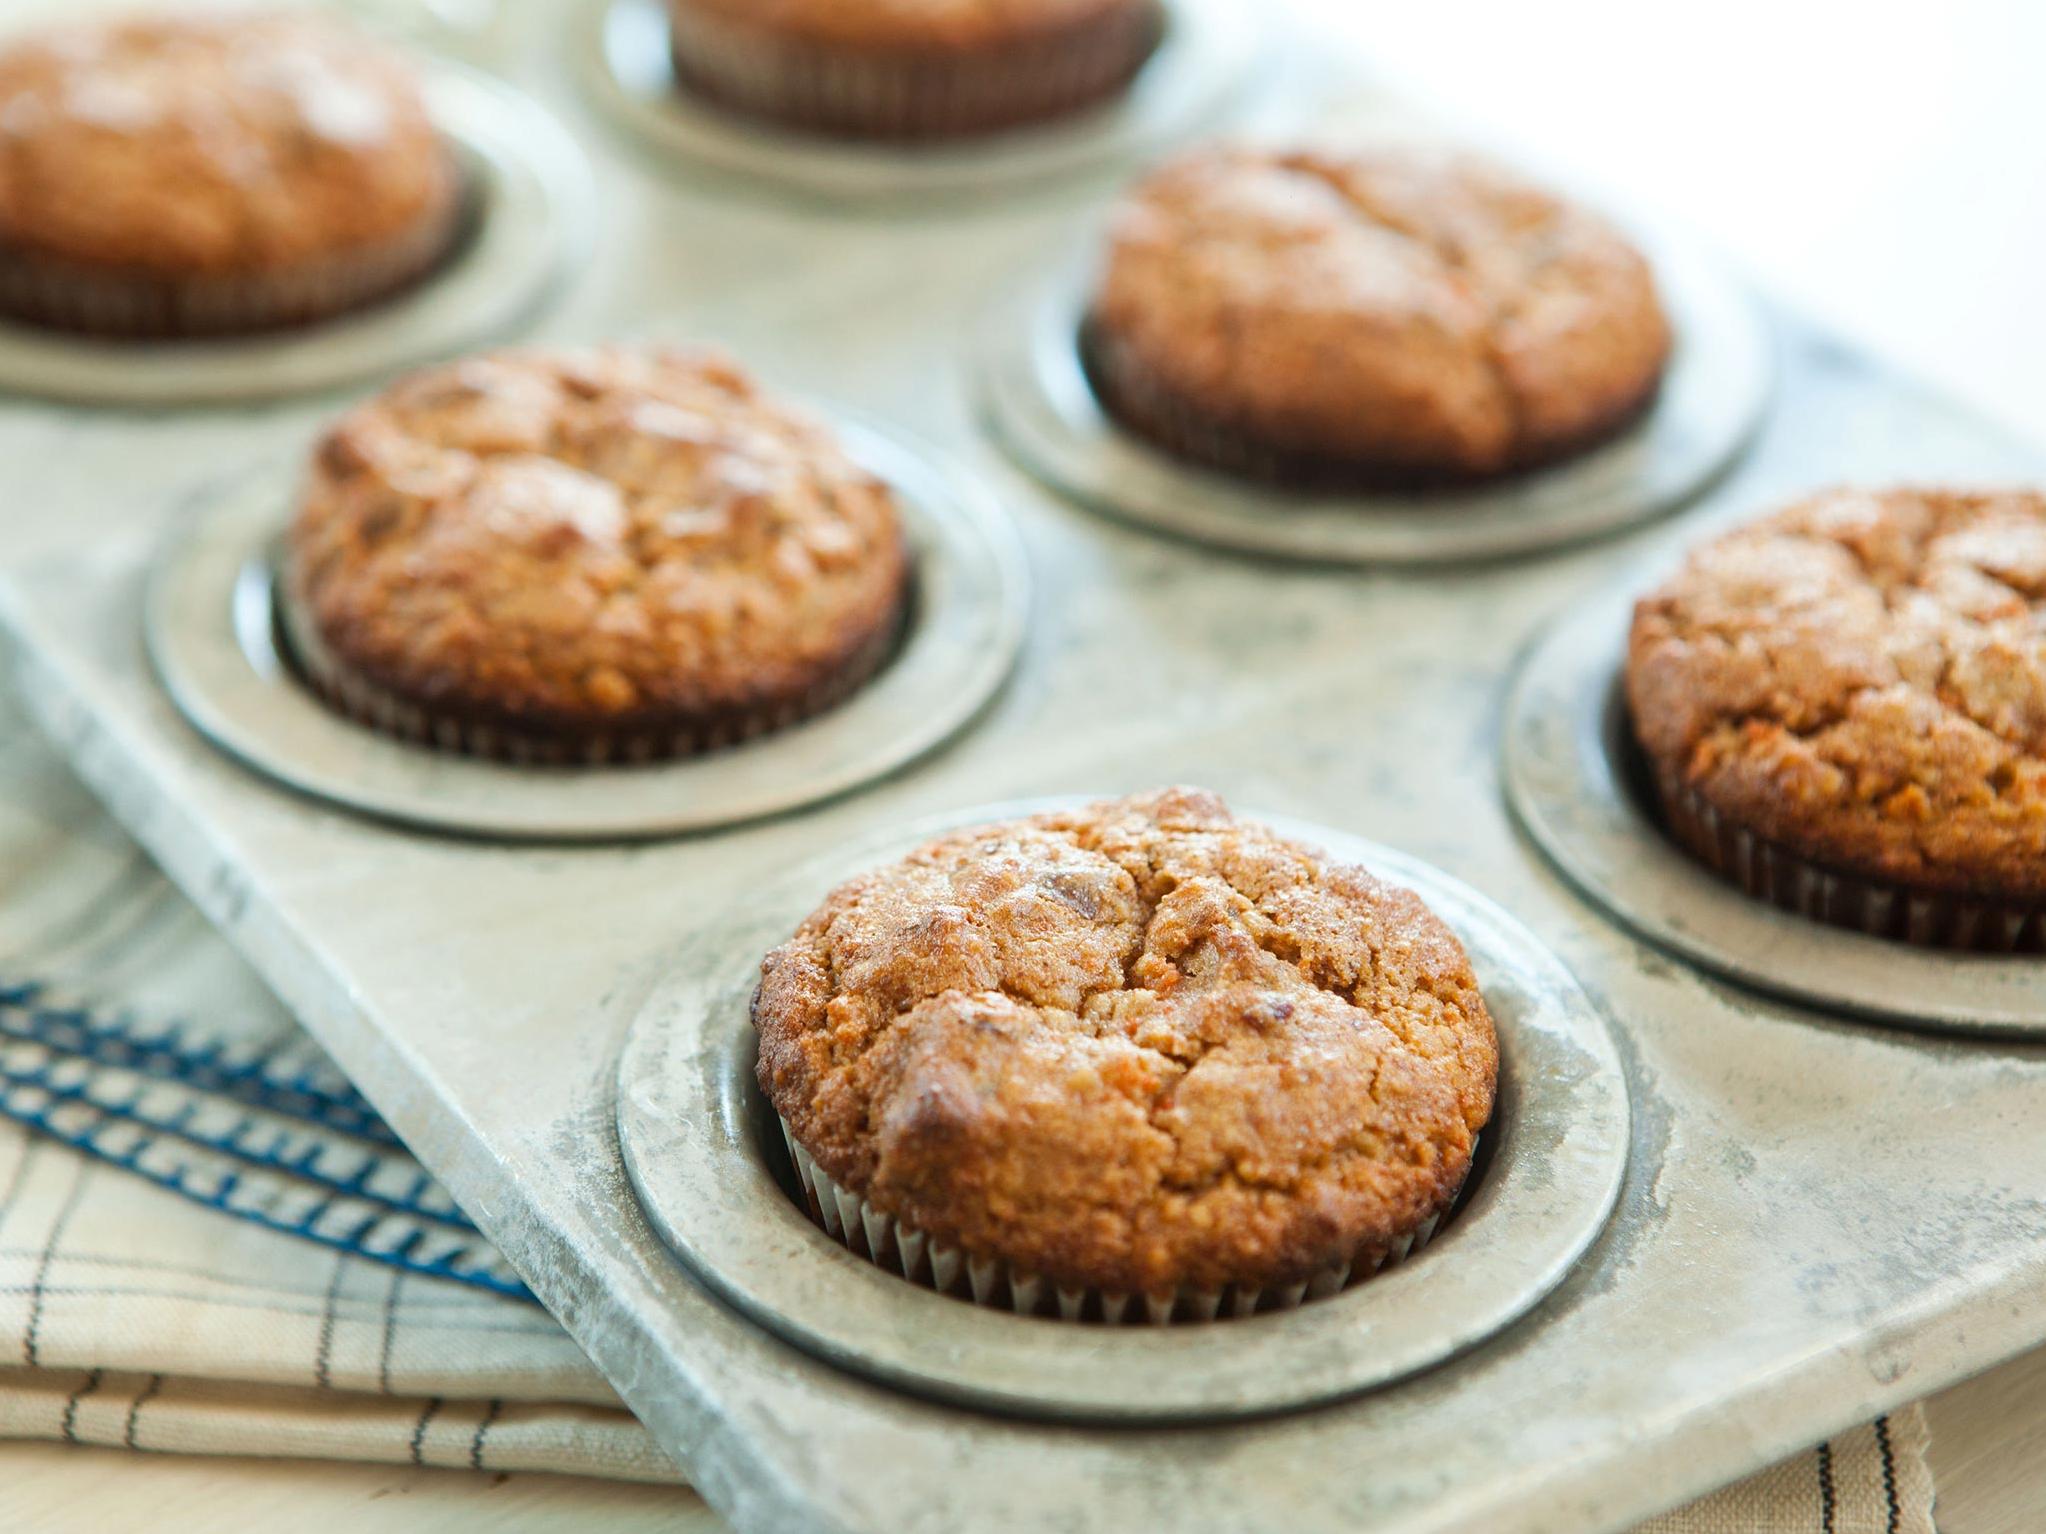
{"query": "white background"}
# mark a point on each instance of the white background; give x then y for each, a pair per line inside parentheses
(1882, 165)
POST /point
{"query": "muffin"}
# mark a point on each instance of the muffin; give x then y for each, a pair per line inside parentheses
(1140, 1049)
(588, 556)
(1368, 320)
(1842, 708)
(911, 69)
(191, 176)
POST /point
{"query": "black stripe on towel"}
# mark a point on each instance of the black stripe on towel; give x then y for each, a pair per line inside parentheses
(86, 1388)
(1889, 1472)
(419, 1430)
(142, 1398)
(490, 1415)
(42, 1278)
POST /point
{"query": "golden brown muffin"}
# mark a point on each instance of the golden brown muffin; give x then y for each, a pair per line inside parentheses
(1370, 319)
(611, 554)
(911, 69)
(1139, 1047)
(1844, 708)
(200, 175)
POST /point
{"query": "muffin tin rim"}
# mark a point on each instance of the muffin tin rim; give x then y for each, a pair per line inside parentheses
(692, 1128)
(1569, 797)
(1204, 72)
(208, 629)
(534, 179)
(1033, 399)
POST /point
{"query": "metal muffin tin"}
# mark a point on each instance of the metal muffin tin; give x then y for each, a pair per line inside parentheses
(699, 1138)
(1034, 390)
(1211, 48)
(1571, 775)
(530, 186)
(213, 637)
(1820, 1219)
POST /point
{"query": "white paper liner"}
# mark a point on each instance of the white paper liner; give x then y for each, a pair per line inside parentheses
(1772, 872)
(894, 96)
(889, 1243)
(53, 294)
(374, 707)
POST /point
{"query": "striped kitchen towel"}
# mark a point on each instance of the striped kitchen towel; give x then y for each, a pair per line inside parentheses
(196, 1270)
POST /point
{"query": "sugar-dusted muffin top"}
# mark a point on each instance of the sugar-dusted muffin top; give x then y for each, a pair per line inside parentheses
(213, 144)
(918, 26)
(614, 538)
(1132, 1046)
(1862, 678)
(1402, 308)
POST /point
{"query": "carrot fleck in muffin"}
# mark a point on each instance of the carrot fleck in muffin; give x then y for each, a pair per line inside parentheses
(911, 69)
(1843, 707)
(207, 175)
(1384, 318)
(1140, 1048)
(589, 556)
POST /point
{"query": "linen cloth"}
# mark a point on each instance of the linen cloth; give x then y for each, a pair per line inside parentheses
(209, 1244)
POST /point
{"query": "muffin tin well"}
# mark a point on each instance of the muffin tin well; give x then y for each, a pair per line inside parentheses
(1575, 783)
(706, 1155)
(529, 224)
(213, 639)
(1037, 401)
(1211, 49)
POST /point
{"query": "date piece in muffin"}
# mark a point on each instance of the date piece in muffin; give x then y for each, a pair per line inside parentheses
(1378, 319)
(1139, 1048)
(1843, 708)
(911, 69)
(199, 175)
(604, 555)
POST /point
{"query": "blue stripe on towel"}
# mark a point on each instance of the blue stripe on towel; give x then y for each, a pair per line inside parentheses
(273, 1135)
(280, 1078)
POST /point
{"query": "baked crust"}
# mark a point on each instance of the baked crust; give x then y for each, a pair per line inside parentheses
(1862, 678)
(207, 146)
(911, 69)
(928, 28)
(1394, 315)
(1132, 1047)
(602, 543)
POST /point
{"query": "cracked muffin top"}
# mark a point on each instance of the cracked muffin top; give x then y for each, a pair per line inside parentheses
(614, 537)
(1862, 678)
(213, 144)
(918, 26)
(1402, 308)
(1131, 1047)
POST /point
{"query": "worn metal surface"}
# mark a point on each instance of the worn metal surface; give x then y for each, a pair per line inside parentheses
(533, 217)
(1034, 391)
(1822, 1218)
(1571, 788)
(1211, 48)
(213, 640)
(693, 1130)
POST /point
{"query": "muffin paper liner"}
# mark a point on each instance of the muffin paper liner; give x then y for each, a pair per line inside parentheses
(116, 304)
(889, 1243)
(1130, 396)
(1772, 872)
(388, 714)
(908, 96)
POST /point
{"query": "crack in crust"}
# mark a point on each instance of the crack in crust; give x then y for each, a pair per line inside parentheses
(1397, 310)
(1131, 1047)
(1862, 678)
